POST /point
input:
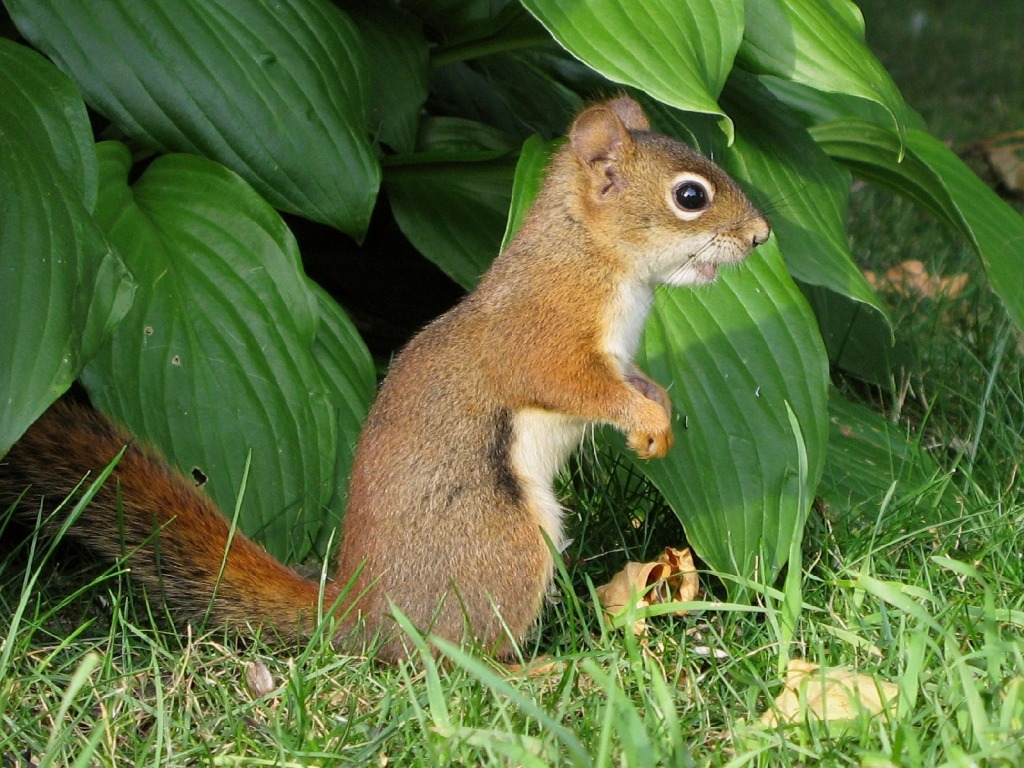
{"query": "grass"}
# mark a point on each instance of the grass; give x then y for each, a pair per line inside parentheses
(899, 587)
(933, 604)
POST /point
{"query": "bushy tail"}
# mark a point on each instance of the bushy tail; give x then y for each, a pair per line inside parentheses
(173, 538)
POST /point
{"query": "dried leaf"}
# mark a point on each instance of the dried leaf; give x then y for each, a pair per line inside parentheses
(542, 666)
(683, 580)
(833, 695)
(673, 578)
(1008, 165)
(911, 279)
(259, 679)
(1005, 156)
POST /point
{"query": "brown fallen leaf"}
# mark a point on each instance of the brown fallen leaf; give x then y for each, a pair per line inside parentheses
(911, 279)
(539, 667)
(1005, 156)
(672, 578)
(258, 679)
(833, 695)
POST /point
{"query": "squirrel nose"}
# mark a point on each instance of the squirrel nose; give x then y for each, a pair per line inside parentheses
(761, 235)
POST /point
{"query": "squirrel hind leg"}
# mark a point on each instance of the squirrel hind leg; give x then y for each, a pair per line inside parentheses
(462, 593)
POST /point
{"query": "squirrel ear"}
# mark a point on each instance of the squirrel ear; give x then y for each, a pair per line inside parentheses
(600, 139)
(630, 113)
(598, 136)
(601, 132)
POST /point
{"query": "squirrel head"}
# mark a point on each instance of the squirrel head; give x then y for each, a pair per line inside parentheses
(674, 214)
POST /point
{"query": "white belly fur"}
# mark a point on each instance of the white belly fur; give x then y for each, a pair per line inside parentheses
(624, 321)
(541, 443)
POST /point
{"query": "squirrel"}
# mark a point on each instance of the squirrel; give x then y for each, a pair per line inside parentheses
(452, 515)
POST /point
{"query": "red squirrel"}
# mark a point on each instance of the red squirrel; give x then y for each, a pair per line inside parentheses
(451, 505)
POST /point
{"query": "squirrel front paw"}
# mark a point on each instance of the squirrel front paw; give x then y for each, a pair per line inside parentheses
(650, 445)
(655, 437)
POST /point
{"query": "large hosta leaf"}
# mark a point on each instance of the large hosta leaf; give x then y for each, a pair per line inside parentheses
(678, 52)
(351, 384)
(733, 355)
(453, 210)
(61, 286)
(451, 199)
(819, 43)
(813, 106)
(510, 91)
(278, 92)
(803, 190)
(534, 158)
(218, 356)
(470, 29)
(936, 179)
(398, 65)
(868, 454)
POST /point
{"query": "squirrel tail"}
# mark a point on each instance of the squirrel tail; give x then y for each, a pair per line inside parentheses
(172, 536)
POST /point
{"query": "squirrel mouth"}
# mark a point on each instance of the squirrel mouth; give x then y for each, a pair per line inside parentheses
(707, 271)
(693, 273)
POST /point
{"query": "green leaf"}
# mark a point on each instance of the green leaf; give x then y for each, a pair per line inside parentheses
(806, 193)
(858, 339)
(867, 455)
(935, 179)
(348, 373)
(398, 62)
(469, 29)
(813, 106)
(533, 161)
(819, 43)
(453, 205)
(456, 135)
(512, 92)
(62, 288)
(216, 358)
(277, 92)
(679, 53)
(733, 355)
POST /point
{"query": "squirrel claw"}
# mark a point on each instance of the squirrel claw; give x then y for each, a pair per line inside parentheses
(650, 445)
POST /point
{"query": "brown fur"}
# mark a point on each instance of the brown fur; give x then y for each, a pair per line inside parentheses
(450, 496)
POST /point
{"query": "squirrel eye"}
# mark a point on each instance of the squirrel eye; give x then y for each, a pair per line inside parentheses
(690, 195)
